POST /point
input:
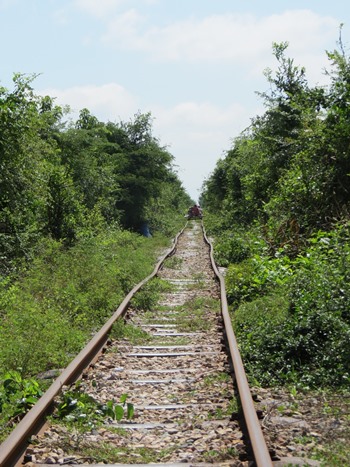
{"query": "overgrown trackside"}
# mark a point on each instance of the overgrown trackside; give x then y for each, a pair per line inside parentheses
(64, 298)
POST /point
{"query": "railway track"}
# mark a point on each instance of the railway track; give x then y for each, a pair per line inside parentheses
(181, 379)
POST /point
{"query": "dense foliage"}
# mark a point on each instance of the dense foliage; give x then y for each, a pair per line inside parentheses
(68, 180)
(279, 205)
(74, 198)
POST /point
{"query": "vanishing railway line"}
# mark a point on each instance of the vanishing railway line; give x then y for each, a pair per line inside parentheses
(182, 381)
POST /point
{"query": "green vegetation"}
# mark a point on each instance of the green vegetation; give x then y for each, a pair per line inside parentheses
(334, 454)
(70, 181)
(107, 453)
(78, 409)
(216, 456)
(192, 316)
(129, 332)
(278, 207)
(17, 396)
(173, 262)
(149, 295)
(214, 378)
(74, 198)
(65, 296)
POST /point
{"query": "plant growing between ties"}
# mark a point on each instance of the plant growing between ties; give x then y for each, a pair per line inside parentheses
(78, 408)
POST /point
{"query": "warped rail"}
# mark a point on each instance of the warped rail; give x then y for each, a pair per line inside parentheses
(13, 448)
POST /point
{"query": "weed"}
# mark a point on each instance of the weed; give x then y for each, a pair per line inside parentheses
(108, 453)
(181, 340)
(17, 396)
(220, 413)
(78, 408)
(198, 282)
(198, 309)
(201, 304)
(148, 296)
(213, 455)
(304, 439)
(173, 262)
(234, 405)
(335, 454)
(130, 332)
(196, 323)
(216, 377)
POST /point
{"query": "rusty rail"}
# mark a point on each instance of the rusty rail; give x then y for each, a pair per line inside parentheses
(12, 449)
(261, 453)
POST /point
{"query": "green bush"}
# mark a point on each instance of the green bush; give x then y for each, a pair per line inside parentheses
(302, 336)
(230, 248)
(256, 326)
(256, 276)
(273, 308)
(17, 396)
(34, 336)
(310, 350)
(239, 284)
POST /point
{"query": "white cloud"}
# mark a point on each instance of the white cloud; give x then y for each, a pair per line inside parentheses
(205, 114)
(221, 37)
(61, 16)
(123, 31)
(107, 102)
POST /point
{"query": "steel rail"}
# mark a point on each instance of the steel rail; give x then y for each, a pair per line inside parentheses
(260, 450)
(13, 448)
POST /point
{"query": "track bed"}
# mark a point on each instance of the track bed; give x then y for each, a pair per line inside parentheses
(179, 381)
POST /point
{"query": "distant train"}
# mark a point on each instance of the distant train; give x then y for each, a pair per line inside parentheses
(194, 212)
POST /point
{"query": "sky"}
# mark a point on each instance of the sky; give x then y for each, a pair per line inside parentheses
(195, 65)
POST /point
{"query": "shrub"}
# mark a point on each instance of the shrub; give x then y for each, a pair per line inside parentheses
(230, 248)
(256, 276)
(28, 321)
(308, 341)
(17, 396)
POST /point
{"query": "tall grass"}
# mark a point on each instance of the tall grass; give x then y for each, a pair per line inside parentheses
(52, 309)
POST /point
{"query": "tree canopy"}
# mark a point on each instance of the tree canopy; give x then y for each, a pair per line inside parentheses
(292, 165)
(66, 180)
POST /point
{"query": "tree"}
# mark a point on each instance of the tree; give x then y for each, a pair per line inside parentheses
(142, 171)
(25, 156)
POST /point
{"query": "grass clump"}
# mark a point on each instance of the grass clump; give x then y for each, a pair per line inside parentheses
(128, 331)
(173, 262)
(148, 296)
(195, 314)
(108, 453)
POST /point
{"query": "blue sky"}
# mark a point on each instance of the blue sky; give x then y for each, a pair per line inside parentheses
(194, 64)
